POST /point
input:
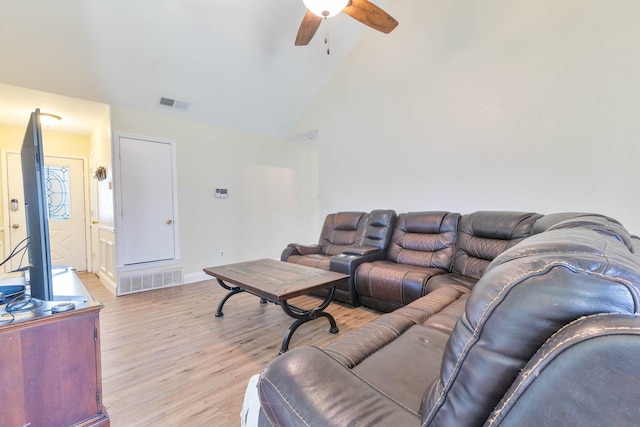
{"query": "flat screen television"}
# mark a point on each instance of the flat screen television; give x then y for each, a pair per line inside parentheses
(36, 210)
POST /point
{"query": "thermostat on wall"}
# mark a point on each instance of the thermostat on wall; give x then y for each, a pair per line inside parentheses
(221, 193)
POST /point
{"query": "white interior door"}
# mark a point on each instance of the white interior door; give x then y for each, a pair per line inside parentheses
(146, 228)
(66, 199)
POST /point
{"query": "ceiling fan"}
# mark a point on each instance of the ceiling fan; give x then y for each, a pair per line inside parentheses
(361, 10)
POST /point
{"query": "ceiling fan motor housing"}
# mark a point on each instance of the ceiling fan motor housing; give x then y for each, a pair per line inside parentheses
(325, 8)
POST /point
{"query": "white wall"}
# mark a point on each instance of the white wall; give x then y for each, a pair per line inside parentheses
(272, 184)
(103, 238)
(500, 104)
(101, 156)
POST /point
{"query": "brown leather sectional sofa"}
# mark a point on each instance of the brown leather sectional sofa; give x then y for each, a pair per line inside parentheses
(527, 320)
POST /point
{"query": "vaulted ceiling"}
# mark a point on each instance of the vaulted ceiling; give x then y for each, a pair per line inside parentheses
(233, 62)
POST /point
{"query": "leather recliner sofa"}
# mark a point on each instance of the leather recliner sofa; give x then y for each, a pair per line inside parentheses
(548, 335)
(431, 249)
(395, 260)
(347, 240)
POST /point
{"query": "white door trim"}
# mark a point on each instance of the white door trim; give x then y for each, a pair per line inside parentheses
(5, 204)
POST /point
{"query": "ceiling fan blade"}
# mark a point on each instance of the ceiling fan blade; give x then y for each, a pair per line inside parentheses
(371, 15)
(308, 28)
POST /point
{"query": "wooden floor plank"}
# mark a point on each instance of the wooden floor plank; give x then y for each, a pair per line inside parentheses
(167, 361)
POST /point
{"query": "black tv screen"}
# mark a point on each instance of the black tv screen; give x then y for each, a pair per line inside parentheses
(36, 210)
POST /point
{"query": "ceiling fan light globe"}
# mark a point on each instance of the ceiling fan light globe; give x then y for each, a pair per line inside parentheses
(325, 8)
(49, 120)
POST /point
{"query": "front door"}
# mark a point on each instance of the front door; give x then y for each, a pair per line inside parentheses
(66, 198)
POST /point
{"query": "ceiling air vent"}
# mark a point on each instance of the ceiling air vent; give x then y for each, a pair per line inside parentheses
(174, 104)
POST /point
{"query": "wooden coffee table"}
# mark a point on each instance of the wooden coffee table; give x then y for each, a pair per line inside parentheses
(277, 282)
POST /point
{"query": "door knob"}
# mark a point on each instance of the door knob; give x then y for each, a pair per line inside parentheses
(94, 222)
(169, 221)
(14, 226)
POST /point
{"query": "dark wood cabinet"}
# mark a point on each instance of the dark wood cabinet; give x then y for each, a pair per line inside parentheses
(50, 371)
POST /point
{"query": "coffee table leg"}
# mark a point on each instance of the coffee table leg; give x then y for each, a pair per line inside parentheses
(232, 291)
(303, 316)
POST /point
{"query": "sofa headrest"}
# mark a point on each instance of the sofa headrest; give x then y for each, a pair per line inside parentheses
(347, 220)
(549, 220)
(379, 228)
(424, 239)
(429, 222)
(529, 292)
(340, 230)
(501, 225)
(598, 223)
(484, 235)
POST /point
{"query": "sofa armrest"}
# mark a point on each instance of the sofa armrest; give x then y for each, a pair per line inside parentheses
(361, 250)
(306, 387)
(306, 249)
(347, 263)
(298, 249)
(584, 373)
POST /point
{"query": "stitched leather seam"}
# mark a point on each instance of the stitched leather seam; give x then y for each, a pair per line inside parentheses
(442, 217)
(385, 394)
(480, 323)
(349, 362)
(472, 339)
(404, 276)
(544, 357)
(391, 328)
(275, 389)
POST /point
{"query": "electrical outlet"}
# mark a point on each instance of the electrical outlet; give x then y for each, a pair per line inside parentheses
(221, 254)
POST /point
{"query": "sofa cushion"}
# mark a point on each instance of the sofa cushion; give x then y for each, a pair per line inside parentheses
(441, 310)
(306, 387)
(392, 283)
(527, 294)
(450, 279)
(484, 235)
(374, 375)
(386, 352)
(424, 239)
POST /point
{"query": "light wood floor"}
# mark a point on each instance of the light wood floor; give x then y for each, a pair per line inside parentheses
(167, 361)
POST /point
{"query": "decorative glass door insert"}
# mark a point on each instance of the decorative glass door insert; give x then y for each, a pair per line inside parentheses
(58, 198)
